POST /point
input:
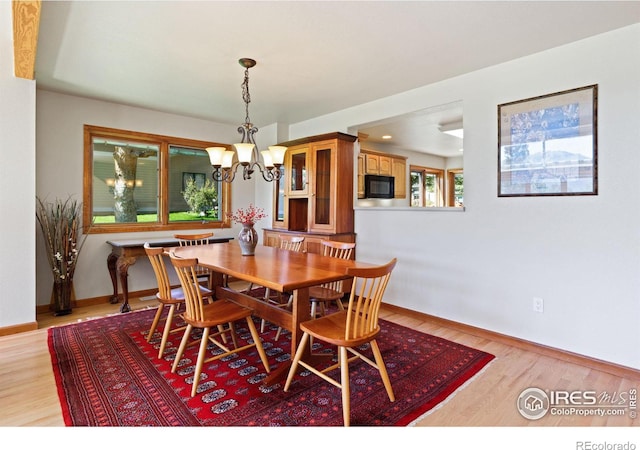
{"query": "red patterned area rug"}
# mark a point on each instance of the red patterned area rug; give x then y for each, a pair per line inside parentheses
(108, 375)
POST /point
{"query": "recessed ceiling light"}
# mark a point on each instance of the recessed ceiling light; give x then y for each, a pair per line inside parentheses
(387, 136)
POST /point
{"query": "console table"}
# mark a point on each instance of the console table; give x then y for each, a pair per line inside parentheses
(124, 254)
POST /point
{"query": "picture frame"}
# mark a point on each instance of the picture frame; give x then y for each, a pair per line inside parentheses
(199, 179)
(547, 145)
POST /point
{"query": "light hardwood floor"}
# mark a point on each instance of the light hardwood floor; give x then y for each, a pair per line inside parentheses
(28, 395)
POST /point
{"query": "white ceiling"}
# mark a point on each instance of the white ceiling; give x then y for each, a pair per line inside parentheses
(314, 57)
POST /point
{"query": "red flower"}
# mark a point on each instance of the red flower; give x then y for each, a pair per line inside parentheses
(248, 216)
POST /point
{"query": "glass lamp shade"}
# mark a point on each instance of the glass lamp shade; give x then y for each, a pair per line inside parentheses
(244, 152)
(277, 154)
(215, 155)
(227, 159)
(266, 156)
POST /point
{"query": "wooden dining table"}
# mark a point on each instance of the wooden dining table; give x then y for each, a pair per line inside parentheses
(274, 268)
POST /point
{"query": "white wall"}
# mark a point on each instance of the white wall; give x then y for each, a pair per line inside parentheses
(483, 267)
(17, 184)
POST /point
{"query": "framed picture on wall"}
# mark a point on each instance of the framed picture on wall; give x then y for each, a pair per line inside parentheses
(547, 145)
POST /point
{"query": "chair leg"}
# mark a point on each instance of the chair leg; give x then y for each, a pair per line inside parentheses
(314, 312)
(223, 333)
(183, 344)
(154, 324)
(262, 323)
(232, 330)
(200, 362)
(314, 307)
(344, 381)
(258, 342)
(267, 293)
(167, 330)
(296, 360)
(383, 369)
(288, 306)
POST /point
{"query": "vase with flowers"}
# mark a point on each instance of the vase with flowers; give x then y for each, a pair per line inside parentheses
(60, 224)
(248, 237)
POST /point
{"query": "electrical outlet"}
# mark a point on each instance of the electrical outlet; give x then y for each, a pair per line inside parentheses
(538, 305)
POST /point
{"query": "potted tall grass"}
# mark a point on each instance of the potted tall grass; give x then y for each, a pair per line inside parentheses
(60, 224)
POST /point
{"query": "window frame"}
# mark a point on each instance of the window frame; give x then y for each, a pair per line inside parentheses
(163, 142)
(451, 186)
(439, 173)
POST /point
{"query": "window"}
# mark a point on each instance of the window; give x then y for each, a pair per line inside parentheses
(455, 184)
(428, 189)
(143, 182)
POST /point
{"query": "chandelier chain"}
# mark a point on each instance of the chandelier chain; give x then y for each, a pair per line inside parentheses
(246, 96)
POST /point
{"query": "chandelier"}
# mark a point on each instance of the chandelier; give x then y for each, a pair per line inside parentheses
(222, 160)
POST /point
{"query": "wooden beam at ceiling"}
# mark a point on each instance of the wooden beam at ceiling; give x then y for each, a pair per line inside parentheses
(26, 23)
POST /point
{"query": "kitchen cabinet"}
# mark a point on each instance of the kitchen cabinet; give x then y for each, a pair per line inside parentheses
(399, 172)
(377, 163)
(361, 173)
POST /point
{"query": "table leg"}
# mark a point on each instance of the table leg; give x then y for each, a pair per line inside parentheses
(300, 313)
(111, 265)
(122, 266)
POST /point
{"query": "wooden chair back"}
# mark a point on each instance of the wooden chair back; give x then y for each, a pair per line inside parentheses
(335, 249)
(193, 239)
(186, 240)
(156, 257)
(367, 290)
(292, 243)
(186, 268)
(341, 250)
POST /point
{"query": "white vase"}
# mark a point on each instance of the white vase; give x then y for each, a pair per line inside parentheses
(248, 239)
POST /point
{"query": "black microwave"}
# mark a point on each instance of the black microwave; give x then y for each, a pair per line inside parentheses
(378, 186)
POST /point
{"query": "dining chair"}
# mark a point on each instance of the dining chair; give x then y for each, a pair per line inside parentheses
(173, 298)
(349, 330)
(185, 240)
(293, 244)
(204, 316)
(326, 293)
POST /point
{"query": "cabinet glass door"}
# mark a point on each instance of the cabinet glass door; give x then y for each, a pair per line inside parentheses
(322, 210)
(298, 176)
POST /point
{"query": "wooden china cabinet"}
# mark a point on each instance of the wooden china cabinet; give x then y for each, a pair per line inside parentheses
(314, 198)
